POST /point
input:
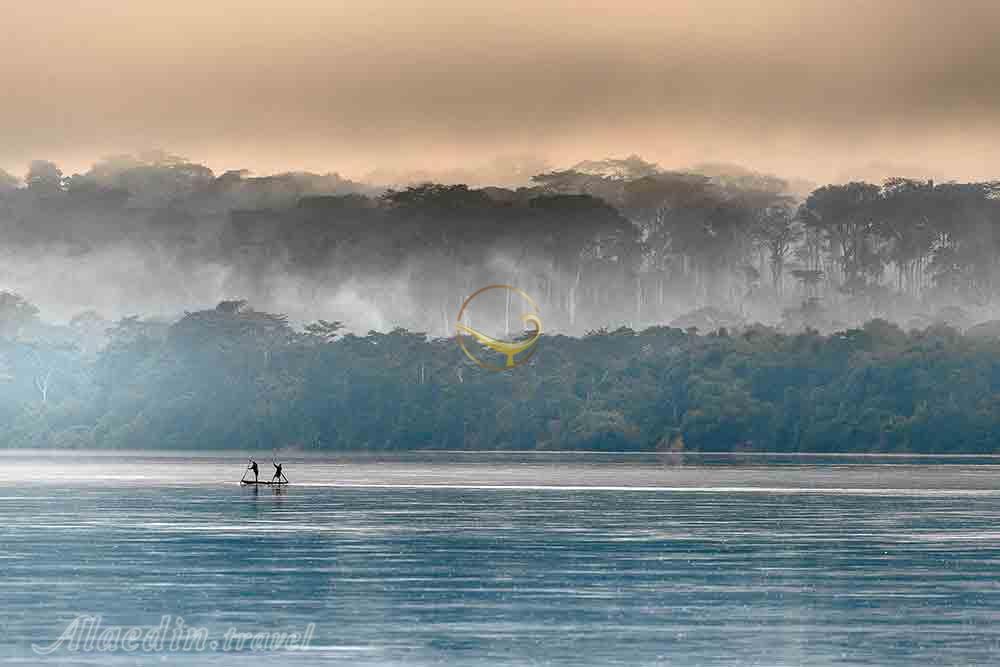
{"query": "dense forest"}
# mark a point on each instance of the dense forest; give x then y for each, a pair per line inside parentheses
(602, 244)
(707, 309)
(233, 377)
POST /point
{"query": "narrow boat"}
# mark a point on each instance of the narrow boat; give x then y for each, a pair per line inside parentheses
(279, 478)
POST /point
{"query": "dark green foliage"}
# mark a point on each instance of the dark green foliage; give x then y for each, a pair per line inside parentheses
(233, 377)
(605, 243)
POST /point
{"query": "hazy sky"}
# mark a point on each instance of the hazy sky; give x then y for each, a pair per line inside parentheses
(800, 88)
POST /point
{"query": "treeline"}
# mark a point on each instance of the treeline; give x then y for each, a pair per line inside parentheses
(234, 377)
(603, 243)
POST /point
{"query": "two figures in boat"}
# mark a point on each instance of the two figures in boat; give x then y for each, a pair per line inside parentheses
(278, 478)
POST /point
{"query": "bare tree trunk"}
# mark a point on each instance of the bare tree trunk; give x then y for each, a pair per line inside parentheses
(43, 386)
(638, 301)
(572, 296)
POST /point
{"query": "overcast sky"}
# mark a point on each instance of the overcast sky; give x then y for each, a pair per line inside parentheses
(811, 89)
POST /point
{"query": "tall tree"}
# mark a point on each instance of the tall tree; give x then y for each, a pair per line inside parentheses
(846, 216)
(778, 231)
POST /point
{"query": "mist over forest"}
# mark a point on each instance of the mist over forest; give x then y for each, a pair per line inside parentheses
(602, 243)
(150, 302)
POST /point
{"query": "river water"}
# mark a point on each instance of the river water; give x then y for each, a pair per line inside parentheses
(503, 559)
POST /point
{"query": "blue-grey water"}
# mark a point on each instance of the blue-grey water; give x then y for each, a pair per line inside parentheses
(460, 559)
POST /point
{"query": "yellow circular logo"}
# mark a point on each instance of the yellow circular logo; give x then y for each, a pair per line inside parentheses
(509, 349)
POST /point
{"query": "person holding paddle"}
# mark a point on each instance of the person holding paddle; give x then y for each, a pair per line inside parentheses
(253, 466)
(278, 475)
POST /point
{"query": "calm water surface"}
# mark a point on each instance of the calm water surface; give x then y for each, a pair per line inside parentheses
(458, 559)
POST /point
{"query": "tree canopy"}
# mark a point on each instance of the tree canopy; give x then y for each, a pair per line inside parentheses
(235, 377)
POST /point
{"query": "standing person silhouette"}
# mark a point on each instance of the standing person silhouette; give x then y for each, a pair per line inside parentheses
(256, 470)
(278, 475)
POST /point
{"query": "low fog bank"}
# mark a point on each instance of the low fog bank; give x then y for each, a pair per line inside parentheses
(602, 244)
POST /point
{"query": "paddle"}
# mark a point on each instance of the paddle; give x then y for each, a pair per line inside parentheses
(246, 470)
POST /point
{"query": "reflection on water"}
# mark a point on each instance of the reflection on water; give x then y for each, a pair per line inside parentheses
(466, 560)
